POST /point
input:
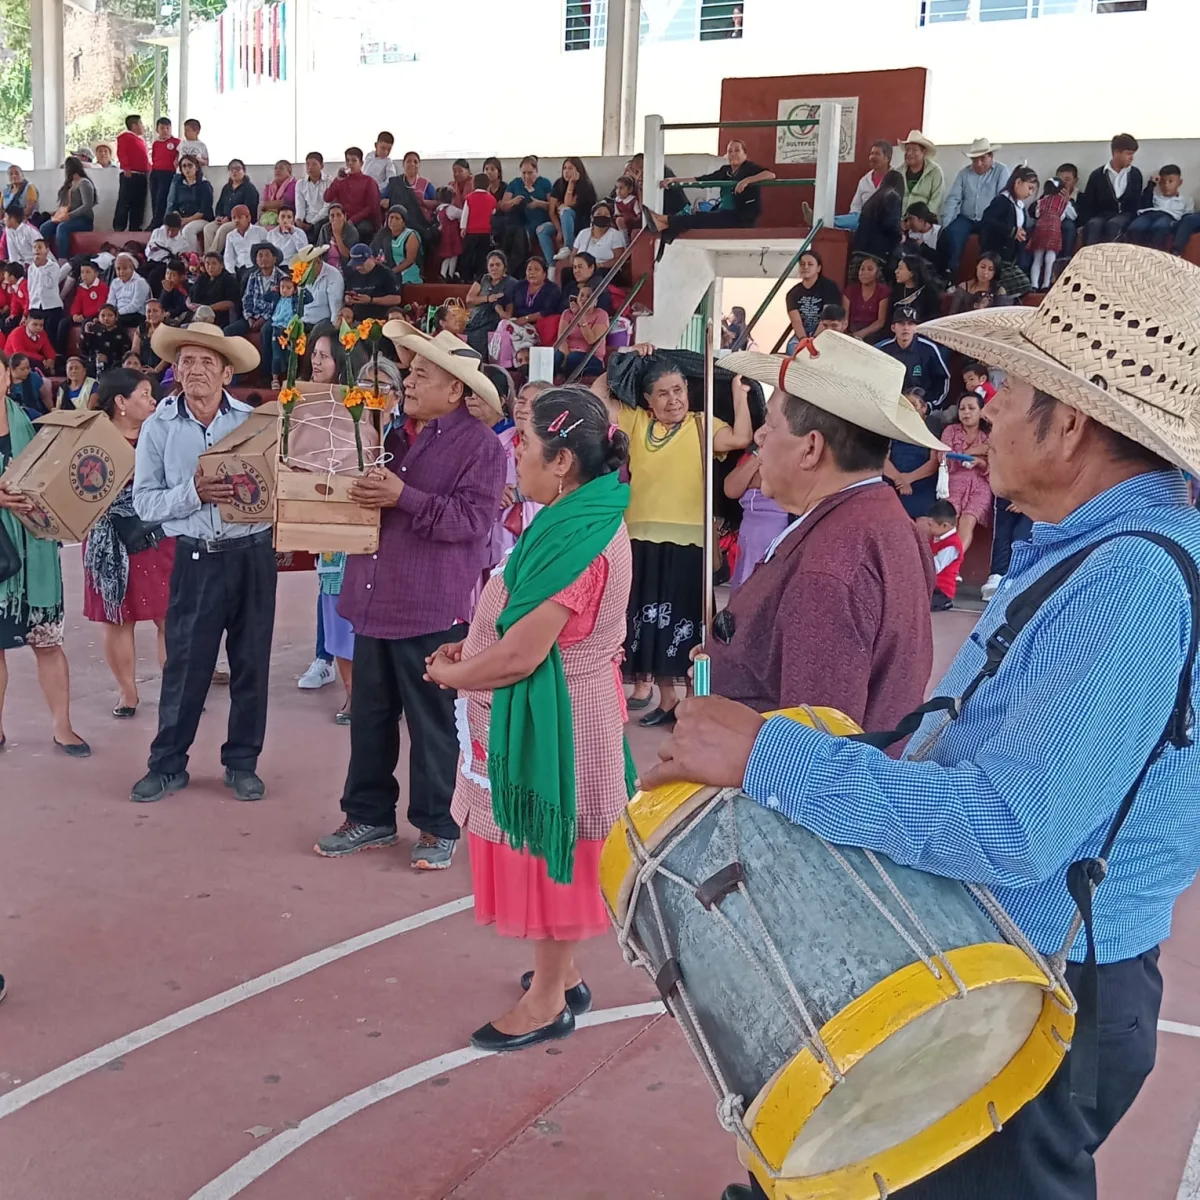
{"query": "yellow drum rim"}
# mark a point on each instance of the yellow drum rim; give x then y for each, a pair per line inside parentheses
(795, 1093)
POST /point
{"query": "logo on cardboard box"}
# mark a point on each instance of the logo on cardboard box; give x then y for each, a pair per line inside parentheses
(250, 492)
(91, 474)
(39, 519)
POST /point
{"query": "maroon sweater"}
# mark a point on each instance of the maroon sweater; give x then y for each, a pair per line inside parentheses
(838, 617)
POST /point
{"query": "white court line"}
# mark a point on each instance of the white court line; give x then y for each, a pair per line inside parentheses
(258, 1162)
(1176, 1027)
(43, 1085)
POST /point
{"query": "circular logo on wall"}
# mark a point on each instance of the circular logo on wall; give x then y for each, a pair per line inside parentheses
(250, 495)
(91, 474)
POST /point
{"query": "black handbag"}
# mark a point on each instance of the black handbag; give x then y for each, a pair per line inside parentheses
(135, 534)
(10, 558)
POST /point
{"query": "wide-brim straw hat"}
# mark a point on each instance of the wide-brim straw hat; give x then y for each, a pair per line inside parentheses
(452, 354)
(307, 255)
(980, 148)
(242, 355)
(846, 377)
(1117, 337)
(396, 328)
(916, 137)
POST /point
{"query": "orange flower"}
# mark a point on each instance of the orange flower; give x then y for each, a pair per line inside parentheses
(288, 395)
(355, 398)
(349, 339)
(301, 345)
(299, 270)
(282, 339)
(375, 401)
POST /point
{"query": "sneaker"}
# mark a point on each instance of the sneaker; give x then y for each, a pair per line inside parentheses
(245, 784)
(433, 853)
(318, 675)
(154, 786)
(992, 586)
(563, 254)
(351, 836)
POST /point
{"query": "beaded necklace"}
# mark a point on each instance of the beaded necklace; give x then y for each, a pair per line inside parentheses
(655, 443)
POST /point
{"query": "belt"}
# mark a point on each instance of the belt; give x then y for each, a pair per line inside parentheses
(264, 537)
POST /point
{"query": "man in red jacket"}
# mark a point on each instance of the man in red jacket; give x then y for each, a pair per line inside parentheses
(358, 194)
(134, 160)
(837, 612)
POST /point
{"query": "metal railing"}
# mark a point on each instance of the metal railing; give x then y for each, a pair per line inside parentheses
(625, 306)
(601, 288)
(775, 288)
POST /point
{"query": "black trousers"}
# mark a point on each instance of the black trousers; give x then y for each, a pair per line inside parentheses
(160, 188)
(1046, 1151)
(388, 683)
(130, 212)
(1107, 228)
(1008, 527)
(230, 592)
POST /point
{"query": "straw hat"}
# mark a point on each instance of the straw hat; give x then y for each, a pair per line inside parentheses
(980, 148)
(396, 329)
(452, 354)
(846, 377)
(1116, 337)
(241, 354)
(307, 255)
(917, 138)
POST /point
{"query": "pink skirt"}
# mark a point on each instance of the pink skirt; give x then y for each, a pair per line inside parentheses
(514, 893)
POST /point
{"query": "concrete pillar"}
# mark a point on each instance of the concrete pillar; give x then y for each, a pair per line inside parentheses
(185, 21)
(614, 78)
(652, 165)
(829, 143)
(46, 18)
(629, 73)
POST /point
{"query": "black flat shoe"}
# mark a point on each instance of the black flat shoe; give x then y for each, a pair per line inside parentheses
(123, 712)
(660, 716)
(490, 1038)
(737, 1191)
(579, 998)
(79, 750)
(635, 703)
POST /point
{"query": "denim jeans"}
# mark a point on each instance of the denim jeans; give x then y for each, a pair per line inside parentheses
(1070, 230)
(956, 235)
(58, 233)
(1151, 229)
(546, 232)
(849, 221)
(566, 364)
(1106, 228)
(1183, 231)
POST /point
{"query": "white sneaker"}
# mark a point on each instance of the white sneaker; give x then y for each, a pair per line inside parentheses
(992, 586)
(564, 253)
(317, 675)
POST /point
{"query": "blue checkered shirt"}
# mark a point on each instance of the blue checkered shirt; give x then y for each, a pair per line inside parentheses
(1029, 778)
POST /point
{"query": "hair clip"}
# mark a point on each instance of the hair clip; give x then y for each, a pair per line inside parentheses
(562, 433)
(556, 424)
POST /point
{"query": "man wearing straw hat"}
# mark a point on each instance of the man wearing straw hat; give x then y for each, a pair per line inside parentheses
(223, 582)
(439, 497)
(923, 178)
(973, 189)
(1081, 716)
(837, 612)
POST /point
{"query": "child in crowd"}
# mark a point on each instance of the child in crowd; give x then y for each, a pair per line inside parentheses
(346, 316)
(192, 144)
(939, 526)
(29, 338)
(174, 297)
(105, 342)
(1164, 205)
(627, 205)
(967, 466)
(976, 381)
(141, 348)
(167, 241)
(478, 209)
(281, 318)
(1068, 175)
(923, 236)
(378, 163)
(91, 293)
(28, 387)
(16, 290)
(1113, 194)
(1047, 240)
(41, 277)
(164, 156)
(833, 316)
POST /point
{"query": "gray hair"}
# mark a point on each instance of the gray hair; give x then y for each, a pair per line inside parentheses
(387, 371)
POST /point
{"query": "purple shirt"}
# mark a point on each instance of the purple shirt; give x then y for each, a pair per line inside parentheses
(433, 546)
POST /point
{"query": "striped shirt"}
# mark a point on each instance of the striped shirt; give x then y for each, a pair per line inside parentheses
(1029, 778)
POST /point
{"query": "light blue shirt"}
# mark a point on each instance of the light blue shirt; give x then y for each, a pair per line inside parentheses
(1029, 777)
(970, 194)
(168, 452)
(326, 293)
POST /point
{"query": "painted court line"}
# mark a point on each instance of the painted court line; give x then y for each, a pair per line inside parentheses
(43, 1085)
(258, 1162)
(1176, 1027)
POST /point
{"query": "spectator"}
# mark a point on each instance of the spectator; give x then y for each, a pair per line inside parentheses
(1011, 525)
(398, 247)
(450, 218)
(879, 163)
(371, 289)
(16, 288)
(312, 210)
(340, 235)
(946, 548)
(29, 338)
(142, 349)
(168, 240)
(584, 348)
(762, 519)
(327, 294)
(191, 196)
(1163, 207)
(973, 189)
(413, 192)
(27, 386)
(378, 163)
(572, 196)
(285, 237)
(19, 235)
(924, 366)
(493, 168)
(192, 144)
(1047, 239)
(237, 192)
(534, 300)
(1113, 194)
(42, 278)
(911, 469)
(260, 294)
(279, 192)
(601, 239)
(808, 297)
(526, 204)
(241, 240)
(20, 192)
(104, 157)
(835, 317)
(878, 233)
(923, 178)
(914, 290)
(76, 391)
(1005, 228)
(358, 194)
(215, 288)
(732, 328)
(173, 298)
(91, 293)
(478, 211)
(584, 273)
(282, 316)
(130, 212)
(924, 237)
(740, 203)
(76, 209)
(1068, 176)
(970, 491)
(164, 156)
(128, 293)
(491, 300)
(982, 291)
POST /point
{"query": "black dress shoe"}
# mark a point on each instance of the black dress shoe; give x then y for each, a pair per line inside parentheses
(659, 716)
(579, 998)
(490, 1038)
(737, 1191)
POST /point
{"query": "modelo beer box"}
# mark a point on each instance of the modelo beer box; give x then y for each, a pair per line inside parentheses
(71, 472)
(246, 459)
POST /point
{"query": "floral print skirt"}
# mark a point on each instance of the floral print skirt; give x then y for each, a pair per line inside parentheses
(665, 609)
(36, 627)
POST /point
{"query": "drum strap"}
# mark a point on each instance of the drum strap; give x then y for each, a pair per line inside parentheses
(1086, 875)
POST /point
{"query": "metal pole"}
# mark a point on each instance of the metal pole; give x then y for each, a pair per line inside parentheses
(185, 22)
(614, 77)
(762, 308)
(157, 84)
(701, 677)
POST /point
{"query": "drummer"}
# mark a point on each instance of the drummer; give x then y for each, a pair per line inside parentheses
(837, 611)
(1090, 436)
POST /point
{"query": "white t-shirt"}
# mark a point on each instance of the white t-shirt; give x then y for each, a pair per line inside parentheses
(43, 285)
(197, 148)
(602, 249)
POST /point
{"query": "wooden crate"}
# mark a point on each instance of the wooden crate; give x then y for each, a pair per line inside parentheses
(314, 512)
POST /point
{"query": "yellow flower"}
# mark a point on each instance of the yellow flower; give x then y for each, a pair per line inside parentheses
(349, 340)
(288, 395)
(375, 401)
(355, 398)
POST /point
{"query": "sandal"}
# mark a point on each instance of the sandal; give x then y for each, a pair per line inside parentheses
(342, 717)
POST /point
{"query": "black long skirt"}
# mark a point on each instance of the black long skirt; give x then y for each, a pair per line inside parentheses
(665, 609)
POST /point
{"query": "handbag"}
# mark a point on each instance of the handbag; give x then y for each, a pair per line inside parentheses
(10, 557)
(135, 534)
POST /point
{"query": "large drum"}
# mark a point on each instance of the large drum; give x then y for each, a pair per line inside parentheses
(863, 1022)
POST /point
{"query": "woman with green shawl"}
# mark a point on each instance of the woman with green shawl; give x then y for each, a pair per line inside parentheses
(544, 770)
(31, 599)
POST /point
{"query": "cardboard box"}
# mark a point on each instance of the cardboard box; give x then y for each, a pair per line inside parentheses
(71, 472)
(247, 458)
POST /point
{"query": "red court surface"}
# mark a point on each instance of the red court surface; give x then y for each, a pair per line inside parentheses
(189, 1016)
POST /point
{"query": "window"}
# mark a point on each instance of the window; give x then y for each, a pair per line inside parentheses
(720, 19)
(1003, 10)
(1120, 6)
(585, 22)
(936, 12)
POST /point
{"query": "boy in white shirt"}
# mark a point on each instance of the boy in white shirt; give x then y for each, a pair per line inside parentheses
(285, 237)
(19, 235)
(42, 279)
(167, 241)
(378, 164)
(192, 144)
(1163, 206)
